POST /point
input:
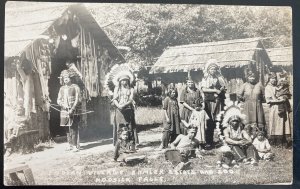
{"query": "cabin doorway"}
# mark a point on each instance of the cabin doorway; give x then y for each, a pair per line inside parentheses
(57, 66)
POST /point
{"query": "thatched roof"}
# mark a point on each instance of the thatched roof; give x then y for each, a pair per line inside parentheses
(232, 53)
(281, 56)
(25, 24)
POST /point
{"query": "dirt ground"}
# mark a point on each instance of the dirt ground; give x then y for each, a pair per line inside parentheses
(52, 165)
(54, 157)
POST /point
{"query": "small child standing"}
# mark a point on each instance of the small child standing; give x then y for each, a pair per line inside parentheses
(124, 145)
(198, 119)
(171, 122)
(263, 147)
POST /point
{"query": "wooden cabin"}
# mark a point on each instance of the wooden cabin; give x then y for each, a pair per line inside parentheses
(282, 60)
(235, 57)
(41, 37)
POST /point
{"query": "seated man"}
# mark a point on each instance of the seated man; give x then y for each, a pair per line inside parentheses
(239, 141)
(184, 147)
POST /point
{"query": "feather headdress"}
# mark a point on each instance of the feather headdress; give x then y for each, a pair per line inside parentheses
(117, 73)
(233, 112)
(211, 63)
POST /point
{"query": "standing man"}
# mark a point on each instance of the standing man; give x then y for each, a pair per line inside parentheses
(214, 87)
(68, 99)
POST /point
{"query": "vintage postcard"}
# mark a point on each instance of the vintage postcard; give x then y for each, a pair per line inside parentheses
(147, 94)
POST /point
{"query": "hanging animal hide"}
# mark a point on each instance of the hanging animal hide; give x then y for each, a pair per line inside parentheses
(75, 41)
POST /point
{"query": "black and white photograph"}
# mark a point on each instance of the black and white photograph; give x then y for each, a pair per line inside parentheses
(147, 94)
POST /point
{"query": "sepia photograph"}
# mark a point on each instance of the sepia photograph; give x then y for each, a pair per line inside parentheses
(147, 94)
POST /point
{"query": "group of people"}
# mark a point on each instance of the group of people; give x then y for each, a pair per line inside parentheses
(187, 132)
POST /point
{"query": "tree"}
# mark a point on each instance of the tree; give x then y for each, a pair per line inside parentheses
(148, 29)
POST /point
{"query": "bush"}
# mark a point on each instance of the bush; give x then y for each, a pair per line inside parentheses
(152, 97)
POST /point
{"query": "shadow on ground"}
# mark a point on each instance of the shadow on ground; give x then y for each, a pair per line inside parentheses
(147, 126)
(95, 144)
(149, 144)
(41, 148)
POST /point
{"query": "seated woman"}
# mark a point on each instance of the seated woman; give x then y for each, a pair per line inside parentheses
(238, 139)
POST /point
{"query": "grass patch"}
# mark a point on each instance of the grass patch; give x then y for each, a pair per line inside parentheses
(149, 115)
(99, 169)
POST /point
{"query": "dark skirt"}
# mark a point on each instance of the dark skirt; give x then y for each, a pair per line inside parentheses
(254, 111)
(185, 115)
(175, 157)
(125, 118)
(168, 137)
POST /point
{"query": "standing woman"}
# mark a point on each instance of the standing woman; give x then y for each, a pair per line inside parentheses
(171, 121)
(252, 94)
(213, 86)
(123, 100)
(188, 99)
(279, 124)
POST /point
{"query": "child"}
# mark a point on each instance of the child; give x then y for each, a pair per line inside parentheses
(226, 157)
(124, 145)
(283, 93)
(183, 148)
(263, 147)
(252, 130)
(171, 122)
(198, 119)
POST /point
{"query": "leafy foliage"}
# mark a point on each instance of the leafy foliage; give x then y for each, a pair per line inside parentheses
(148, 29)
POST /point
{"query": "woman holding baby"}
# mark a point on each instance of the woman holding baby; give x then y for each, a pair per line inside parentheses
(279, 118)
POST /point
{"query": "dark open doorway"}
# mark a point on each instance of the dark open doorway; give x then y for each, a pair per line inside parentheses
(57, 65)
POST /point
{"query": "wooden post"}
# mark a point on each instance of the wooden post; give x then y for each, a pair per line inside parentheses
(189, 74)
(137, 87)
(12, 172)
